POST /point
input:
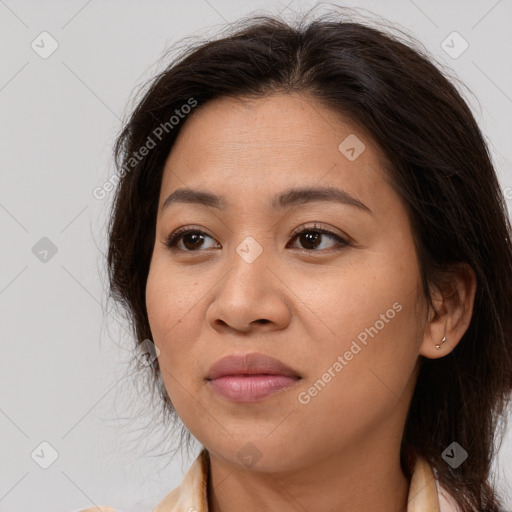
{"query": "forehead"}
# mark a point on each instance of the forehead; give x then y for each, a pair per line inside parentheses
(240, 144)
(270, 123)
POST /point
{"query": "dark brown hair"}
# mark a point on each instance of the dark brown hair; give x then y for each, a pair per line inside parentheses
(438, 162)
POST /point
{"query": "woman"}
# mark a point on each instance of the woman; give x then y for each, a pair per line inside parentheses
(310, 230)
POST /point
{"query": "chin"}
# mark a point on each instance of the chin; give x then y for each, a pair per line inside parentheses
(258, 453)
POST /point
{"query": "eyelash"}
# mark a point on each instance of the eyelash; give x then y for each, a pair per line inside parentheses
(174, 237)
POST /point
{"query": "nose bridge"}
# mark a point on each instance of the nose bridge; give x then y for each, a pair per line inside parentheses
(248, 264)
(249, 291)
(250, 250)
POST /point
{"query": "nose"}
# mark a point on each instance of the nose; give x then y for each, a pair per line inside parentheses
(250, 296)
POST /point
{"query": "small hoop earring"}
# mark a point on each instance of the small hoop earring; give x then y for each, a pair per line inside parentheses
(438, 346)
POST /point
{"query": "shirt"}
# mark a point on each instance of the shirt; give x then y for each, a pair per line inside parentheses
(425, 492)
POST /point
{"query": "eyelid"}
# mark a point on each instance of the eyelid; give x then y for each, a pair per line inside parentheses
(315, 226)
(171, 240)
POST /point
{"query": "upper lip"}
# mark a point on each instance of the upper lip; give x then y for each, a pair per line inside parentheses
(249, 364)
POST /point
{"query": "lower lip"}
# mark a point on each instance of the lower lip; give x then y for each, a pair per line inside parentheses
(250, 388)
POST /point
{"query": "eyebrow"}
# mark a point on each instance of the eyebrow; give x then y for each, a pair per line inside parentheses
(287, 198)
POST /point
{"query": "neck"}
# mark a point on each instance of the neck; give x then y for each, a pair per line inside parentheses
(345, 482)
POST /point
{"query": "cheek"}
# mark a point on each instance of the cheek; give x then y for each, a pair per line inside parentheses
(175, 313)
(167, 308)
(355, 298)
(372, 314)
(171, 299)
(367, 373)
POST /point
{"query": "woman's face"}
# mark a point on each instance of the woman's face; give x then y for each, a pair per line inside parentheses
(343, 311)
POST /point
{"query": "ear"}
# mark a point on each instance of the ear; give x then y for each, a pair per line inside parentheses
(453, 301)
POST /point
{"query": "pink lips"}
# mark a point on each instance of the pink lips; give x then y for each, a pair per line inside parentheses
(250, 377)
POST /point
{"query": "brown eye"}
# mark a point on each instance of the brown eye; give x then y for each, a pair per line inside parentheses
(192, 241)
(317, 239)
(188, 240)
(310, 239)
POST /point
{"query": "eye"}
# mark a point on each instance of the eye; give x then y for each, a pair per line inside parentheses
(313, 239)
(188, 239)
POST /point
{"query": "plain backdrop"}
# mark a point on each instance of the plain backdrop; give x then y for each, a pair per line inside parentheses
(68, 72)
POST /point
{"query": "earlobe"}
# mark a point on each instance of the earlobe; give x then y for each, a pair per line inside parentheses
(439, 345)
(453, 310)
(434, 349)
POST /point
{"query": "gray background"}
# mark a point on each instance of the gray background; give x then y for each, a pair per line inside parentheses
(63, 370)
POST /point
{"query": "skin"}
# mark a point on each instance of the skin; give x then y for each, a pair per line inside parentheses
(305, 307)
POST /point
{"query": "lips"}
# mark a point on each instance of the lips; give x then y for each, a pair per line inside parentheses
(250, 364)
(250, 377)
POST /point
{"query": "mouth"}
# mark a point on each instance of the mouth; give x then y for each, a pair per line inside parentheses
(250, 377)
